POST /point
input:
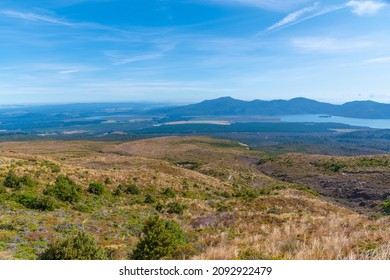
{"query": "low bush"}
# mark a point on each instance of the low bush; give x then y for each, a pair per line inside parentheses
(176, 208)
(96, 188)
(149, 199)
(245, 192)
(169, 192)
(55, 168)
(333, 166)
(132, 189)
(386, 207)
(11, 180)
(65, 189)
(162, 239)
(33, 201)
(79, 246)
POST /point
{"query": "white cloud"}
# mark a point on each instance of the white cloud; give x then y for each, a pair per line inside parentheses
(303, 15)
(273, 5)
(328, 44)
(70, 71)
(121, 59)
(366, 7)
(292, 17)
(379, 60)
(35, 17)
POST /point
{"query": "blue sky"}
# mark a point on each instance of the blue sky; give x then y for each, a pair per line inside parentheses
(64, 51)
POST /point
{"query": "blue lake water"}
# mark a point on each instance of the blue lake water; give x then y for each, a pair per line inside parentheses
(373, 123)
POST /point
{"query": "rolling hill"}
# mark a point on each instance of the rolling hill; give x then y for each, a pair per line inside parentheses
(231, 106)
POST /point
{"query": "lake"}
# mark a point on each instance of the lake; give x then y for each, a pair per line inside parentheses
(373, 123)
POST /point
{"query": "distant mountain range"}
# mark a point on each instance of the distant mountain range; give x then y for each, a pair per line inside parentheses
(296, 106)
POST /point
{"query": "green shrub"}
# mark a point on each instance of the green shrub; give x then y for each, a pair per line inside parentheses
(386, 207)
(25, 198)
(245, 192)
(149, 199)
(27, 181)
(15, 182)
(252, 255)
(2, 189)
(12, 181)
(162, 239)
(118, 191)
(176, 208)
(38, 202)
(65, 189)
(96, 188)
(55, 168)
(45, 203)
(333, 166)
(159, 207)
(224, 208)
(79, 246)
(132, 189)
(169, 192)
(107, 181)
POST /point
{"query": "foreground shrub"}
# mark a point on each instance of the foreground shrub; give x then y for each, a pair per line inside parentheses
(132, 189)
(76, 247)
(162, 239)
(252, 255)
(15, 182)
(11, 180)
(169, 192)
(37, 202)
(176, 208)
(386, 207)
(96, 188)
(128, 189)
(149, 199)
(65, 189)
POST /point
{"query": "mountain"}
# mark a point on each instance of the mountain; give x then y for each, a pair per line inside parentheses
(296, 106)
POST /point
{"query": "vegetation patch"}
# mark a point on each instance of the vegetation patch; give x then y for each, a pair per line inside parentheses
(15, 182)
(65, 189)
(79, 246)
(162, 239)
(332, 166)
(169, 192)
(386, 207)
(96, 188)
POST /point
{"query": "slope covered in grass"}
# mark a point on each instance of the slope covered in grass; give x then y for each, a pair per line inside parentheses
(214, 190)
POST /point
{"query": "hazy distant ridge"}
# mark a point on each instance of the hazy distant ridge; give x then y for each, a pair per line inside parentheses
(296, 106)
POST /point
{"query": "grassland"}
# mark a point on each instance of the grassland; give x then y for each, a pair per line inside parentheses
(221, 194)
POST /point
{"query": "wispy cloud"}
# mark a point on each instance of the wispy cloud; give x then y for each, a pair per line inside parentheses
(121, 59)
(366, 7)
(379, 60)
(70, 71)
(35, 17)
(273, 5)
(360, 8)
(329, 44)
(293, 17)
(303, 15)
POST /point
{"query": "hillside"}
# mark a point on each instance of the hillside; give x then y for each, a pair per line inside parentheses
(231, 202)
(297, 106)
